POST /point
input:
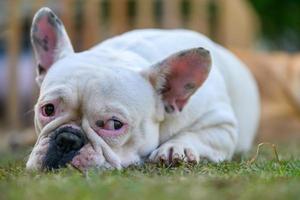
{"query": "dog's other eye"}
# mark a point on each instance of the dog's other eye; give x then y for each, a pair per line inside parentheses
(113, 124)
(48, 110)
(111, 127)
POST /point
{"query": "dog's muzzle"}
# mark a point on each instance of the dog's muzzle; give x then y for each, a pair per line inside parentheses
(64, 144)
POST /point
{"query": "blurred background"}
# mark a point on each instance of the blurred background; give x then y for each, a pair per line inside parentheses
(265, 34)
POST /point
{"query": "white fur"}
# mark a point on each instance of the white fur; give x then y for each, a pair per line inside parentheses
(220, 119)
(230, 82)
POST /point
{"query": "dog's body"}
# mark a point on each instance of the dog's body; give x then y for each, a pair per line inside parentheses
(173, 105)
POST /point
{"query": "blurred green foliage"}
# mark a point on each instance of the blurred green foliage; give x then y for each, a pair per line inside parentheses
(280, 23)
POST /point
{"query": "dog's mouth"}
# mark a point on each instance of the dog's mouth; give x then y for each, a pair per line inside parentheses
(64, 144)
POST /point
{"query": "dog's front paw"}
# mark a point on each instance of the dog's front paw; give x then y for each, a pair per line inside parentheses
(174, 153)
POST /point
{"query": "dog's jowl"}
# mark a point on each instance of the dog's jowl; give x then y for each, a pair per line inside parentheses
(155, 95)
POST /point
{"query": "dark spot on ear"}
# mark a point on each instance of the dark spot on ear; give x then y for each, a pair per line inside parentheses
(45, 43)
(52, 15)
(41, 69)
(189, 86)
(58, 21)
(45, 40)
(53, 20)
(181, 54)
(42, 43)
(203, 51)
(169, 108)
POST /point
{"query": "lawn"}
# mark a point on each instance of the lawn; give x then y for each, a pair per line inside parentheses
(266, 178)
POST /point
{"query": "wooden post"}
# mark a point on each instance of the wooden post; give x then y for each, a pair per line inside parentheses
(13, 51)
(145, 14)
(171, 14)
(91, 23)
(237, 23)
(118, 16)
(67, 16)
(199, 16)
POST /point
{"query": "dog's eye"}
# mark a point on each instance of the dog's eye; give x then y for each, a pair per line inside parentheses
(111, 127)
(48, 110)
(113, 124)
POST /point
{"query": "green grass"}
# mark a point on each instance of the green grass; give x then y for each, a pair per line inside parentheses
(266, 178)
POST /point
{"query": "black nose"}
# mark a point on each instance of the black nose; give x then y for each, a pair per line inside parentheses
(64, 145)
(68, 141)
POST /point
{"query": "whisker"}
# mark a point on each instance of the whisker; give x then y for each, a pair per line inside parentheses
(28, 112)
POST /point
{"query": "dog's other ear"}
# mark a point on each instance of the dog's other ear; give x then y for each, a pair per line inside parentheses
(177, 77)
(49, 40)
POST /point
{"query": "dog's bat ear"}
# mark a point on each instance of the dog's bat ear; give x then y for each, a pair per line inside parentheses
(177, 77)
(49, 40)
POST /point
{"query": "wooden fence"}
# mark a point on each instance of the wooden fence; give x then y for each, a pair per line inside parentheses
(229, 22)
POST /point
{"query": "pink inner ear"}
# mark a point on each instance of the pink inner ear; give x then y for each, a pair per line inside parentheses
(45, 40)
(186, 74)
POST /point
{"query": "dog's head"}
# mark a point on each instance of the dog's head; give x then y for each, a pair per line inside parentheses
(97, 109)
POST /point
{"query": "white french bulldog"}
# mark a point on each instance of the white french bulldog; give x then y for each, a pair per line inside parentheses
(158, 95)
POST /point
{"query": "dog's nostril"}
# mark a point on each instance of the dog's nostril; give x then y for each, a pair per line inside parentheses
(67, 142)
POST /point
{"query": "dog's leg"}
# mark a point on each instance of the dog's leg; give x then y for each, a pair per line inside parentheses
(215, 143)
